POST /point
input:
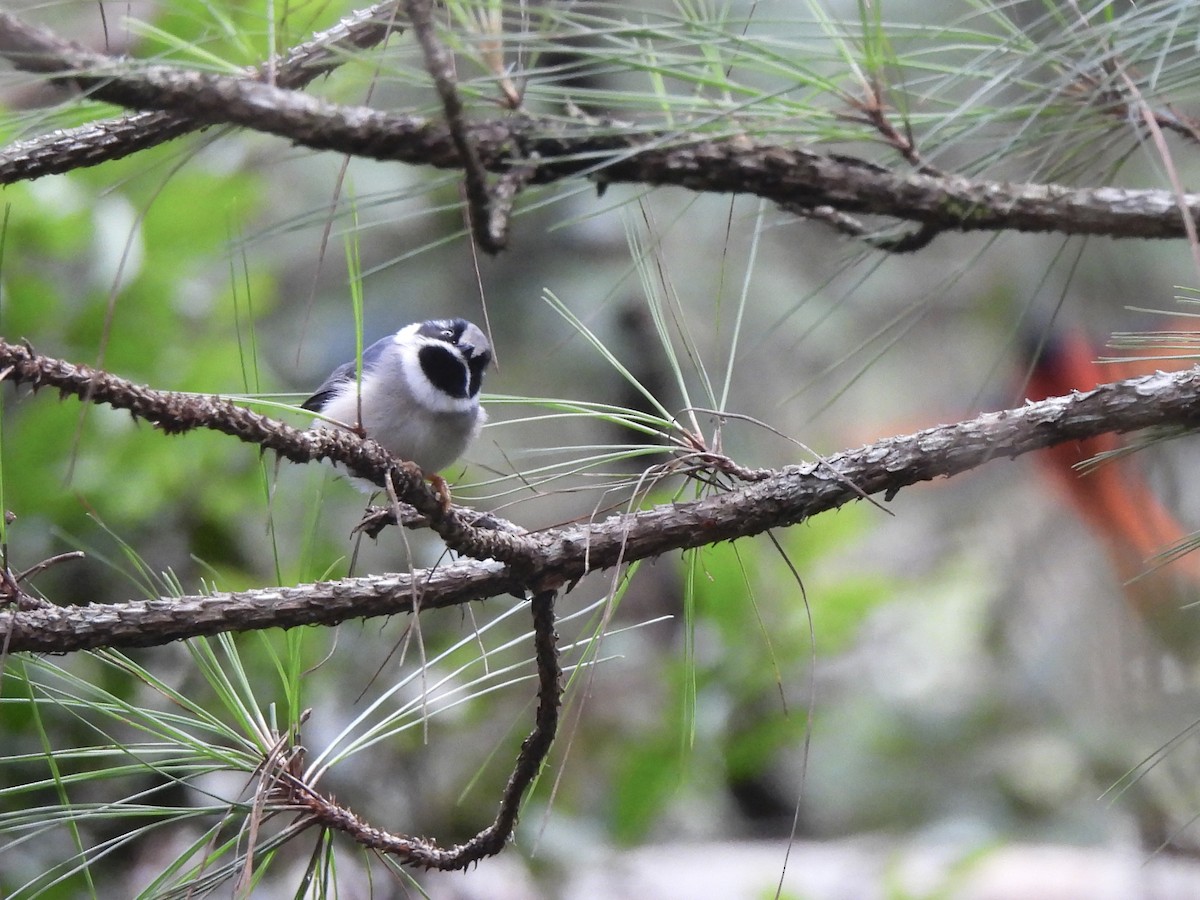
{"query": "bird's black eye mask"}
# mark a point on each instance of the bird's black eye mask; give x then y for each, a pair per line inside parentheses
(445, 369)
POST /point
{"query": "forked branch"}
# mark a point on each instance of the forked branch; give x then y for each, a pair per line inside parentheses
(526, 149)
(555, 556)
(417, 851)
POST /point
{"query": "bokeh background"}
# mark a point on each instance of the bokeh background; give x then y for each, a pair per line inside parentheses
(967, 667)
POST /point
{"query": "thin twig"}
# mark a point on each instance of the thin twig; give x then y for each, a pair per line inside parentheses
(47, 563)
(909, 242)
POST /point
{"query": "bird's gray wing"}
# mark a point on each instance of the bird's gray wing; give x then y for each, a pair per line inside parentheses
(344, 373)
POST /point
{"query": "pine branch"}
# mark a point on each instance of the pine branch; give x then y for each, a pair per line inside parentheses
(558, 556)
(424, 852)
(547, 150)
(110, 139)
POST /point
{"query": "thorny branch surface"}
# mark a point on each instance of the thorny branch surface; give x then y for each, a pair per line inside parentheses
(109, 139)
(546, 150)
(506, 559)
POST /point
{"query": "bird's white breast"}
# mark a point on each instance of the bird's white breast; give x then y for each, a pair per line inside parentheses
(413, 420)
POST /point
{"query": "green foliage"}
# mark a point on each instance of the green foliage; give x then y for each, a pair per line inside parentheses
(750, 627)
(155, 739)
(650, 772)
(131, 277)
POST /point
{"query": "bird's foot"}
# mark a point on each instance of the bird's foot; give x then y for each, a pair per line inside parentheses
(441, 490)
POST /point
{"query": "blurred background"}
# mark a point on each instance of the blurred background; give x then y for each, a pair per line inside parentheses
(982, 664)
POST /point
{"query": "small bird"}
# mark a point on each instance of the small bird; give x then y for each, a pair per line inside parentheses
(418, 396)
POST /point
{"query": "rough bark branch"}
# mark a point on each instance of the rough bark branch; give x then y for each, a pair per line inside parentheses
(562, 555)
(427, 853)
(548, 150)
(109, 139)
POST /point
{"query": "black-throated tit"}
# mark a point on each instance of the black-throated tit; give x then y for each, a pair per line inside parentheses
(419, 392)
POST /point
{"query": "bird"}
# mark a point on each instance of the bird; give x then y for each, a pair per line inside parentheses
(418, 396)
